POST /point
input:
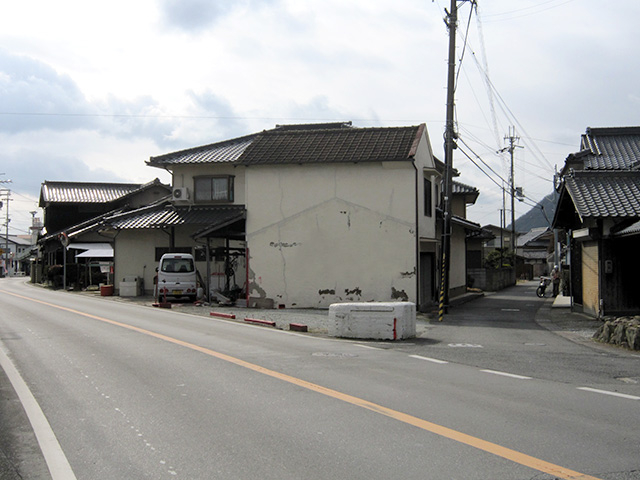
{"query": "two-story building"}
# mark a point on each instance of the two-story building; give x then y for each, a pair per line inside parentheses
(301, 216)
(599, 208)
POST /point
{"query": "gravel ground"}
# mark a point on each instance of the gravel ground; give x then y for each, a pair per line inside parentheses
(316, 320)
(575, 326)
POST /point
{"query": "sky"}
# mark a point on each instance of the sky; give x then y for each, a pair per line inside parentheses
(90, 90)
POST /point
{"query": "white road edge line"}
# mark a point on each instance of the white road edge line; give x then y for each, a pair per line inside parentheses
(54, 456)
(367, 346)
(606, 392)
(505, 374)
(433, 360)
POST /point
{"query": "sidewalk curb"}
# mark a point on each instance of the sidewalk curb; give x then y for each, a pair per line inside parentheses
(576, 327)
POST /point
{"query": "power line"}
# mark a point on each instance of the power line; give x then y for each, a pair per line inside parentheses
(504, 14)
(480, 168)
(480, 158)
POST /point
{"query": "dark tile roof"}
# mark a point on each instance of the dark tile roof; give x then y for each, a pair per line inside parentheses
(467, 224)
(307, 143)
(632, 229)
(221, 152)
(84, 192)
(534, 254)
(462, 188)
(471, 193)
(611, 148)
(598, 194)
(159, 216)
(340, 145)
(314, 126)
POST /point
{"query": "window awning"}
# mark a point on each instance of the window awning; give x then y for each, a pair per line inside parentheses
(93, 250)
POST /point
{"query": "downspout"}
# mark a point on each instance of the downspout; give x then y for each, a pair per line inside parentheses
(417, 249)
(601, 304)
(246, 261)
(208, 286)
(114, 261)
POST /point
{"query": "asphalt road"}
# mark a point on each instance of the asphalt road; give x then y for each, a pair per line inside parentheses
(135, 392)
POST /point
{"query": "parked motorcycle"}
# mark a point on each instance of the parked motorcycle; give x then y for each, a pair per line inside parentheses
(542, 287)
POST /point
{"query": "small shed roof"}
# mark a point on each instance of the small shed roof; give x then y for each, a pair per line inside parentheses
(88, 192)
(159, 216)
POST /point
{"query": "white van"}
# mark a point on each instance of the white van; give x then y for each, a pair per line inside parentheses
(177, 276)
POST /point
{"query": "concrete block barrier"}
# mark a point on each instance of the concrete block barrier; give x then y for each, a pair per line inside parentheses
(373, 320)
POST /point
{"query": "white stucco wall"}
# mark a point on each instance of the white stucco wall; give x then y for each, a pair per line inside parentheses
(426, 166)
(458, 266)
(320, 234)
(183, 177)
(134, 255)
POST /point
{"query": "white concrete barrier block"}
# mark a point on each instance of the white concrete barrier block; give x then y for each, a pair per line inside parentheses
(373, 320)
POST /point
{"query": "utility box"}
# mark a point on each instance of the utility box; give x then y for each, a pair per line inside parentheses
(373, 320)
(131, 287)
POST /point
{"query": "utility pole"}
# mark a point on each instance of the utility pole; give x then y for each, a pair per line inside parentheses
(449, 137)
(451, 22)
(513, 139)
(6, 193)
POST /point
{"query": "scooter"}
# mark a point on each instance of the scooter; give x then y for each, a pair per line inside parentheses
(542, 287)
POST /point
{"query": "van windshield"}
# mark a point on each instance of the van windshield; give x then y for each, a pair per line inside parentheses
(177, 265)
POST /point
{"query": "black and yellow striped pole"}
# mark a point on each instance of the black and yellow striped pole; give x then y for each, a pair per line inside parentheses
(442, 289)
(449, 136)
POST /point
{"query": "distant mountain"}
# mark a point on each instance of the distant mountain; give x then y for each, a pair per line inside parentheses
(535, 217)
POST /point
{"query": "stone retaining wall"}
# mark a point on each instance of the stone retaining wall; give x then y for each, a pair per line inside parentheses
(623, 331)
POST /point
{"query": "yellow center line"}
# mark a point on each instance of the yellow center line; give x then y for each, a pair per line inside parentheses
(493, 448)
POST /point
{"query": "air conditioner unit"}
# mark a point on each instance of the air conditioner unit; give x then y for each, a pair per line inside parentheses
(180, 194)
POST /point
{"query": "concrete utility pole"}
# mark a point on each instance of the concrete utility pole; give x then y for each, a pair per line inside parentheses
(6, 193)
(449, 134)
(513, 139)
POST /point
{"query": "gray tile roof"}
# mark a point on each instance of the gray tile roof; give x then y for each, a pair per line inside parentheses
(467, 224)
(531, 236)
(471, 193)
(615, 148)
(632, 229)
(597, 194)
(314, 143)
(340, 145)
(159, 216)
(84, 192)
(534, 254)
(221, 152)
(459, 187)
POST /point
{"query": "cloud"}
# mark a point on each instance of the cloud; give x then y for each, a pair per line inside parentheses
(195, 16)
(34, 96)
(29, 167)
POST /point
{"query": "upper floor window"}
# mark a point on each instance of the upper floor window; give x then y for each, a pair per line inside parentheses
(428, 207)
(213, 189)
